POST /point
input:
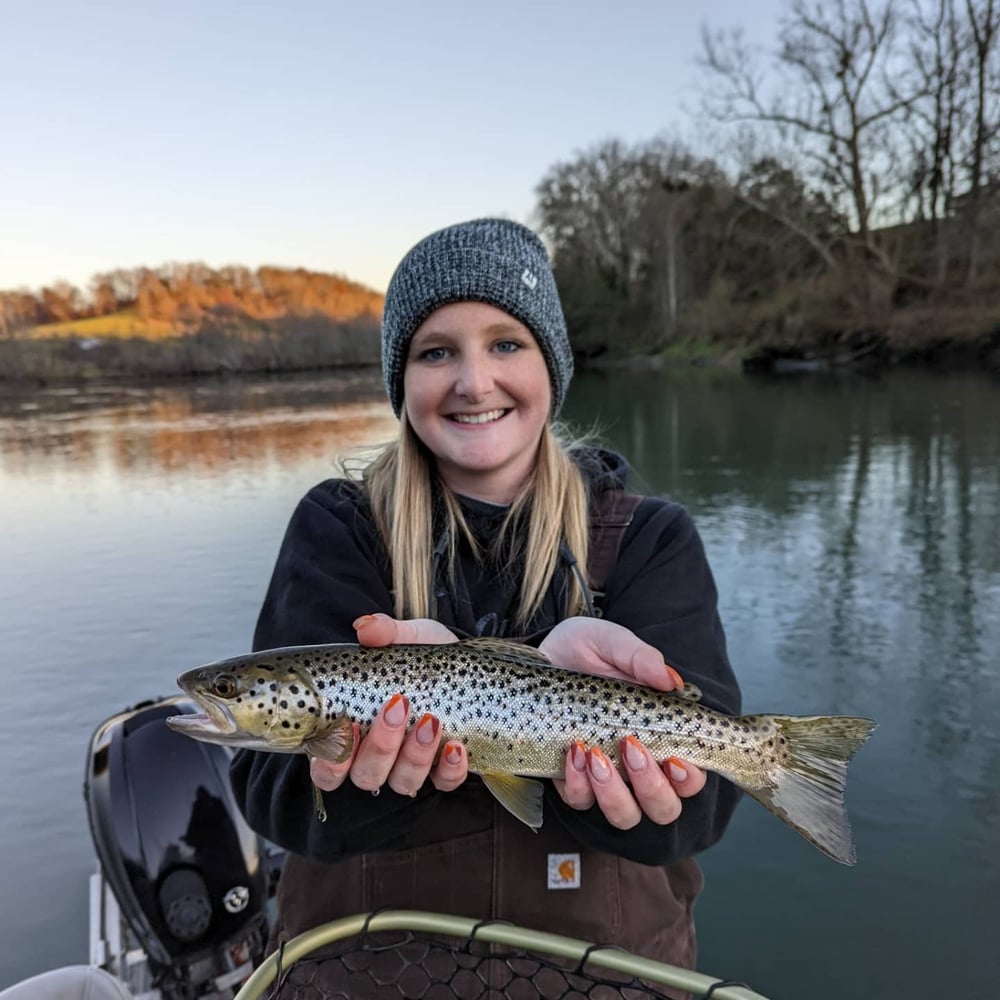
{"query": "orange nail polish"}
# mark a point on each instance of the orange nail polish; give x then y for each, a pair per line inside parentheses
(678, 772)
(676, 678)
(635, 756)
(427, 730)
(453, 752)
(600, 766)
(396, 711)
(578, 755)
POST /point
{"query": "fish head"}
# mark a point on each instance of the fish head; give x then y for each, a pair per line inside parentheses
(258, 702)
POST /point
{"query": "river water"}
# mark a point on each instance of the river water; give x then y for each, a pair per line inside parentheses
(854, 528)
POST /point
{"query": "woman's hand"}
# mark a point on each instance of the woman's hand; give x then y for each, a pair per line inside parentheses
(595, 646)
(389, 754)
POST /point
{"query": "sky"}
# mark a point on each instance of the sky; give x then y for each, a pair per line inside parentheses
(325, 135)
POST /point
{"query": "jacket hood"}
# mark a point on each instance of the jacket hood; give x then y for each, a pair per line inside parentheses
(602, 468)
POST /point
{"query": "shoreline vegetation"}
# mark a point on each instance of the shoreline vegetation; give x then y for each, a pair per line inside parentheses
(852, 218)
(961, 333)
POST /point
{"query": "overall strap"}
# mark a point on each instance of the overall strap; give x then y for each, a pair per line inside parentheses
(612, 514)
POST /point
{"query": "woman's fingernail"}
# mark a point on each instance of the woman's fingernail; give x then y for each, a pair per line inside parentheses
(578, 756)
(453, 752)
(676, 678)
(678, 772)
(635, 756)
(600, 766)
(427, 730)
(362, 621)
(396, 711)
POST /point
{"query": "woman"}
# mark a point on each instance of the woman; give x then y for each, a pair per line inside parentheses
(478, 521)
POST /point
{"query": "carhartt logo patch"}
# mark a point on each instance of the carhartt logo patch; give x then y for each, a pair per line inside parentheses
(529, 279)
(564, 871)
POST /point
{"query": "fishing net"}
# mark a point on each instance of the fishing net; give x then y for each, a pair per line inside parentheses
(434, 957)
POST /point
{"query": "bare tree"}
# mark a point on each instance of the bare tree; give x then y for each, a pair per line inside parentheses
(935, 67)
(984, 23)
(837, 59)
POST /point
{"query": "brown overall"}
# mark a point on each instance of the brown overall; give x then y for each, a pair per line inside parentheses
(476, 860)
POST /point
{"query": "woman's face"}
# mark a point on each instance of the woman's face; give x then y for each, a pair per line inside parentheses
(476, 392)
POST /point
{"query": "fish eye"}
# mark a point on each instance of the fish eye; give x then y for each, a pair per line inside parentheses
(224, 686)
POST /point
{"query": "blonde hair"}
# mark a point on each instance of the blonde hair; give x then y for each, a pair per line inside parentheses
(549, 512)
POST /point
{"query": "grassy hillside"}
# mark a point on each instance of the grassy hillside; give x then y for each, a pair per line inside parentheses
(126, 323)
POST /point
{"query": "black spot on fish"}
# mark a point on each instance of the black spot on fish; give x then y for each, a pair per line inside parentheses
(285, 724)
(283, 703)
(294, 689)
(301, 703)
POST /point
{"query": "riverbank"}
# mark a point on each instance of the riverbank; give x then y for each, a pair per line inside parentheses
(287, 345)
(911, 338)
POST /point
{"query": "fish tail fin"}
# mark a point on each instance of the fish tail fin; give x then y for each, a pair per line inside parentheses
(807, 789)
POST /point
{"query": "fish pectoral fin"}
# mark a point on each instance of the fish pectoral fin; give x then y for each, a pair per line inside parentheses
(319, 804)
(336, 745)
(520, 796)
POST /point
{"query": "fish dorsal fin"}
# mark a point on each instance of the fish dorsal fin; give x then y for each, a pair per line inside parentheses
(337, 743)
(506, 650)
(520, 796)
(690, 692)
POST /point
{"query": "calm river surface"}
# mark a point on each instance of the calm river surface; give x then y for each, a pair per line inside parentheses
(854, 529)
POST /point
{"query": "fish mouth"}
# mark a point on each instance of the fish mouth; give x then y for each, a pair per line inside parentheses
(216, 721)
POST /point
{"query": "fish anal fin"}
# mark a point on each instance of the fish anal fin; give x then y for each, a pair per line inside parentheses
(336, 745)
(520, 796)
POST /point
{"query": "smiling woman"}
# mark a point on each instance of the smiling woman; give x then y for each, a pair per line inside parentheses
(477, 395)
(480, 521)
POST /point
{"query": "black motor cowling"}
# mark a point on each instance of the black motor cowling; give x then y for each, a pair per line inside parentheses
(188, 873)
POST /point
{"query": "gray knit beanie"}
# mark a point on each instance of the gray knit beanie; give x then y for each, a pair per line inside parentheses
(495, 261)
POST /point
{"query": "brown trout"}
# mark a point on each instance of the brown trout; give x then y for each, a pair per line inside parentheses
(516, 713)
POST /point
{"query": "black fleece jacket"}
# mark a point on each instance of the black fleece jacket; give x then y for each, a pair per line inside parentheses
(332, 568)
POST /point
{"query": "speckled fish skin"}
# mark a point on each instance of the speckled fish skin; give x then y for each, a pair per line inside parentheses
(517, 714)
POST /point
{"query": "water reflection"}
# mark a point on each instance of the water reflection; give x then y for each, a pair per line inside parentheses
(852, 526)
(184, 430)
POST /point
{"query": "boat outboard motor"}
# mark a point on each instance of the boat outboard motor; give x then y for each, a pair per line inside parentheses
(189, 876)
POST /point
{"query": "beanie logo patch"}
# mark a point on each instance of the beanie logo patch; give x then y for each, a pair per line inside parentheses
(529, 279)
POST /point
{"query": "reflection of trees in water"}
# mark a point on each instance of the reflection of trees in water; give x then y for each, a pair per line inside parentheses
(173, 430)
(860, 519)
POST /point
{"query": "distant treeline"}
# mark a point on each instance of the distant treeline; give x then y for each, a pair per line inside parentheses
(232, 346)
(187, 297)
(851, 206)
(857, 200)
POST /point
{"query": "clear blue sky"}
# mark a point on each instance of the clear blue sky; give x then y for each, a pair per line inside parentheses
(319, 134)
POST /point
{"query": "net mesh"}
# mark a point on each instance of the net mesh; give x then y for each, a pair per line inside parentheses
(415, 965)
